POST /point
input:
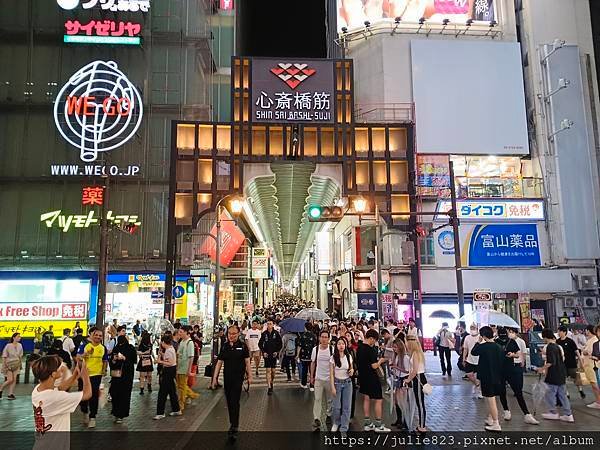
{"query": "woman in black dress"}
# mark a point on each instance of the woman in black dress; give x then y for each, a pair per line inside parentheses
(145, 364)
(122, 363)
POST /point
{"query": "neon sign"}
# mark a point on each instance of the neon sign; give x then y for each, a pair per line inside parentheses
(102, 32)
(98, 109)
(92, 195)
(111, 5)
(65, 222)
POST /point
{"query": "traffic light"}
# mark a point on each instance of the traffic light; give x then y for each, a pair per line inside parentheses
(189, 288)
(385, 288)
(318, 213)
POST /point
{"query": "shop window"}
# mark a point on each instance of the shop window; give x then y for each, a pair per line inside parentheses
(426, 251)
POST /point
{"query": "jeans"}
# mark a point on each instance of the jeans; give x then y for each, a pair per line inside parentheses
(320, 387)
(303, 370)
(342, 403)
(552, 393)
(91, 405)
(167, 389)
(286, 362)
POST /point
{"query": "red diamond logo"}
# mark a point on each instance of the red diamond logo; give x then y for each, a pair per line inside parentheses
(292, 74)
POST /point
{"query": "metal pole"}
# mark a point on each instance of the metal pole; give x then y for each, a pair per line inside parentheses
(378, 254)
(457, 257)
(103, 262)
(217, 296)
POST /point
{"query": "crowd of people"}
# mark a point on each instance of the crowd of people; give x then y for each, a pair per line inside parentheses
(335, 359)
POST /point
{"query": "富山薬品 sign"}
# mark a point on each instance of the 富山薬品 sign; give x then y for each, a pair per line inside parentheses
(293, 91)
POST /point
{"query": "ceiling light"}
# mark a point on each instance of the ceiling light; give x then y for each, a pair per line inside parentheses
(236, 205)
(360, 205)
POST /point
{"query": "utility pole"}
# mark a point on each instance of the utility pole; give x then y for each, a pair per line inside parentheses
(378, 254)
(103, 262)
(457, 257)
(217, 296)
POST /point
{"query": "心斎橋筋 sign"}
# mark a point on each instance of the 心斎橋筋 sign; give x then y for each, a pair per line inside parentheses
(293, 91)
(98, 109)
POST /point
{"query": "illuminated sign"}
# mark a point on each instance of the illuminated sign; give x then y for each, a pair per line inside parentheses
(98, 109)
(102, 32)
(27, 328)
(491, 210)
(298, 91)
(110, 5)
(43, 311)
(260, 263)
(145, 277)
(226, 5)
(65, 222)
(92, 195)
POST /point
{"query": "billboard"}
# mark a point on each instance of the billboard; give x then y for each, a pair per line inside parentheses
(293, 91)
(491, 245)
(493, 210)
(231, 240)
(433, 175)
(352, 14)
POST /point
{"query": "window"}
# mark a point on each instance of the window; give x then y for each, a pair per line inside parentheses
(426, 250)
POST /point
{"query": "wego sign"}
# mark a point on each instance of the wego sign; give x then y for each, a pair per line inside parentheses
(98, 109)
(300, 91)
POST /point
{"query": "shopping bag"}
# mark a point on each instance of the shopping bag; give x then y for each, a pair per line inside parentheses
(581, 378)
(538, 392)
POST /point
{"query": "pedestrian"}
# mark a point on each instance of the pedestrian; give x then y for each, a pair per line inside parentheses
(596, 355)
(288, 360)
(67, 342)
(47, 339)
(589, 365)
(306, 342)
(252, 338)
(446, 344)
(12, 361)
(185, 360)
(368, 366)
(145, 364)
(556, 379)
(489, 373)
(400, 367)
(78, 339)
(58, 350)
(270, 345)
(512, 371)
(95, 356)
(52, 406)
(122, 364)
(167, 358)
(412, 329)
(416, 379)
(320, 378)
(571, 354)
(471, 361)
(137, 332)
(341, 369)
(235, 357)
(37, 340)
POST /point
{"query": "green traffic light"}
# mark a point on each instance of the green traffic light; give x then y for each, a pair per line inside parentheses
(314, 212)
(190, 286)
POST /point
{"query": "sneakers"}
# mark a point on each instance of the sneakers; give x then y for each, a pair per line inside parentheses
(270, 391)
(582, 394)
(569, 419)
(369, 427)
(176, 413)
(493, 427)
(142, 392)
(312, 389)
(594, 405)
(188, 401)
(304, 386)
(117, 420)
(334, 427)
(92, 423)
(159, 416)
(381, 429)
(86, 418)
(550, 416)
(317, 424)
(289, 380)
(489, 421)
(507, 415)
(531, 420)
(11, 397)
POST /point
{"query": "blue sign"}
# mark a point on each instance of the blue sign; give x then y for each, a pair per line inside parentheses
(446, 242)
(178, 292)
(367, 302)
(157, 294)
(504, 246)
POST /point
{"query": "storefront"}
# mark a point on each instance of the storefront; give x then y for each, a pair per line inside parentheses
(32, 300)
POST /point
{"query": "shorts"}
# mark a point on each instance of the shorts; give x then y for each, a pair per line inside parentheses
(490, 390)
(470, 368)
(270, 362)
(371, 387)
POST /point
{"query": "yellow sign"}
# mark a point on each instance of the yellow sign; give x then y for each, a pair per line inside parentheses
(27, 327)
(84, 220)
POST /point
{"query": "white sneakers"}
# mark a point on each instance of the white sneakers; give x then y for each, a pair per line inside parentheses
(531, 420)
(382, 429)
(594, 405)
(159, 416)
(176, 413)
(369, 427)
(495, 426)
(507, 415)
(489, 421)
(550, 416)
(92, 423)
(334, 427)
(569, 419)
(86, 419)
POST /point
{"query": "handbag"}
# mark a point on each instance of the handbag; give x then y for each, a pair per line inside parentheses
(208, 371)
(426, 388)
(146, 361)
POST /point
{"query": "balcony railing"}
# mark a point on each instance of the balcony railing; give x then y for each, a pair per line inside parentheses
(385, 113)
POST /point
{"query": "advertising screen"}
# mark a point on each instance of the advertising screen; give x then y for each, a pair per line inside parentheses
(353, 13)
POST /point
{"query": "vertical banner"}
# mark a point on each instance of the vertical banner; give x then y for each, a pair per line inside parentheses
(525, 313)
(433, 175)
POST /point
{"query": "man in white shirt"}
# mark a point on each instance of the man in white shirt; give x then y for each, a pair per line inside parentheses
(252, 336)
(471, 361)
(446, 342)
(412, 329)
(52, 407)
(68, 344)
(319, 376)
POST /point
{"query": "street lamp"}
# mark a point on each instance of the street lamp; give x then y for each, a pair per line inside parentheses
(360, 205)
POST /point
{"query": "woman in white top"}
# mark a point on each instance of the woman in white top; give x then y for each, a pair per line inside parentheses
(340, 374)
(11, 364)
(416, 378)
(400, 367)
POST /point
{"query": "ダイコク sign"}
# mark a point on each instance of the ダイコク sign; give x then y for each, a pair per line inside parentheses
(98, 109)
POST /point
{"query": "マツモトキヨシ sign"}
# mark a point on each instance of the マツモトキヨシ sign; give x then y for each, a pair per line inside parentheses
(98, 109)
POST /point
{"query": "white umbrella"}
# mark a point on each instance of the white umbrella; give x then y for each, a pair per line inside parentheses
(312, 314)
(489, 317)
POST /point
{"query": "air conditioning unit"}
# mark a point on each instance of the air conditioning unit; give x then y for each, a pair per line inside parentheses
(590, 302)
(571, 302)
(587, 282)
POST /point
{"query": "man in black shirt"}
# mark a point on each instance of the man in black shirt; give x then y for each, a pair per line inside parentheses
(234, 355)
(570, 351)
(270, 345)
(556, 379)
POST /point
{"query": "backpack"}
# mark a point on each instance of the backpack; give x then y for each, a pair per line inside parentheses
(290, 348)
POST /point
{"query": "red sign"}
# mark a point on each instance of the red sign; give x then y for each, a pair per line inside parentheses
(292, 74)
(86, 106)
(102, 28)
(92, 195)
(231, 240)
(226, 5)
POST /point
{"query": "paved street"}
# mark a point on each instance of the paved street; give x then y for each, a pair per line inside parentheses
(449, 408)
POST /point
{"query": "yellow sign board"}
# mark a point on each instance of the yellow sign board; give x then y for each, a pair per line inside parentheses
(27, 327)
